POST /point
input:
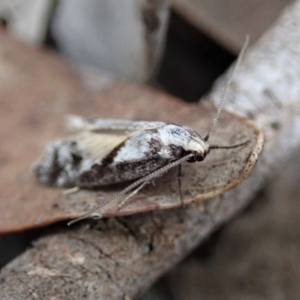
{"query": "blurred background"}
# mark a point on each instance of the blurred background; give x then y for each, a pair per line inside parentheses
(180, 47)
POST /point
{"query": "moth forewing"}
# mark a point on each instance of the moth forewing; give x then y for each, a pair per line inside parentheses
(90, 158)
(90, 155)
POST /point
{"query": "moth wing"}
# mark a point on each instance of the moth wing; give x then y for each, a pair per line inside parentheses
(64, 160)
(95, 139)
(95, 146)
(134, 157)
(75, 124)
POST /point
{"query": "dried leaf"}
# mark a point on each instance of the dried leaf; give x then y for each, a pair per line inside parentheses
(33, 114)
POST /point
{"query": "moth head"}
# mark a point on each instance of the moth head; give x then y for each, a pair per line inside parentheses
(183, 141)
(196, 146)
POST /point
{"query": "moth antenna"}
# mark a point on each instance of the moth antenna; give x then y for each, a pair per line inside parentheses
(134, 192)
(148, 177)
(224, 93)
(213, 147)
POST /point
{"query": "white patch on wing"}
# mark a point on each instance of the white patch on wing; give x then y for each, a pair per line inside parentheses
(135, 147)
(174, 134)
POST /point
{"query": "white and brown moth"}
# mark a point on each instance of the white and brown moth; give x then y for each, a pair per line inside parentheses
(101, 152)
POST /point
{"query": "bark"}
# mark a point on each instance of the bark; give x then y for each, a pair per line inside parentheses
(122, 257)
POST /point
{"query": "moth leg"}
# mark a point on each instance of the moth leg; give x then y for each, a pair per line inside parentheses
(132, 194)
(179, 184)
(72, 190)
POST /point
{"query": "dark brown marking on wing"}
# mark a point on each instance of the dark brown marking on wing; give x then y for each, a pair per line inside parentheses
(121, 172)
(155, 146)
(55, 170)
(111, 156)
(176, 151)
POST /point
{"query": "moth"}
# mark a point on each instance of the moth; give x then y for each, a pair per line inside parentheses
(101, 152)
